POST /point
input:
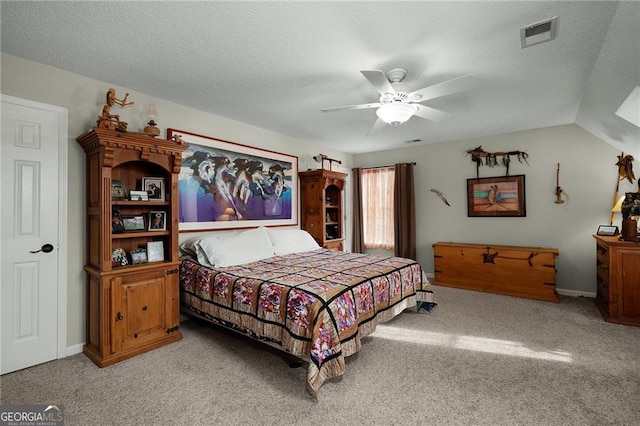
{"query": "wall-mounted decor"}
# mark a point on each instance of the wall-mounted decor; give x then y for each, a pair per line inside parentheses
(224, 185)
(496, 197)
(492, 159)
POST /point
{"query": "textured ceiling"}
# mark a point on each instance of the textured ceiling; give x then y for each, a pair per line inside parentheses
(276, 64)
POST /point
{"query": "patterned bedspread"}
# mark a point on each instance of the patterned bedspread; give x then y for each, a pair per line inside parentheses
(316, 305)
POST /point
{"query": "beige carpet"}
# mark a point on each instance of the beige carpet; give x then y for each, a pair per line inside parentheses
(477, 359)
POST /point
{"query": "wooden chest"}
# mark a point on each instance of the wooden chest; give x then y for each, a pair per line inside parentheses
(528, 272)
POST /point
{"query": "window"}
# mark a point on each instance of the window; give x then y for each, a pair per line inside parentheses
(377, 206)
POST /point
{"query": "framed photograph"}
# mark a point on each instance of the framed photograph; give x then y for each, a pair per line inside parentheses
(138, 256)
(226, 185)
(496, 197)
(138, 196)
(118, 191)
(119, 258)
(155, 251)
(154, 186)
(608, 230)
(117, 223)
(133, 223)
(157, 221)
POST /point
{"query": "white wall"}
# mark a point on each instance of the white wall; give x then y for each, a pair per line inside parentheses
(588, 174)
(84, 99)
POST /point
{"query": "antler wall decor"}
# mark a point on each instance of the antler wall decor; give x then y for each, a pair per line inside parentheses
(480, 156)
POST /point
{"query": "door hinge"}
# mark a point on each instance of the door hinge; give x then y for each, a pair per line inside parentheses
(172, 329)
(171, 271)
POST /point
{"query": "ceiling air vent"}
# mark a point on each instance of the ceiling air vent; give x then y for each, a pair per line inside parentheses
(539, 32)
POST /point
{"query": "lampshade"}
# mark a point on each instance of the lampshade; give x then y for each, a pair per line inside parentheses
(630, 108)
(395, 113)
(617, 208)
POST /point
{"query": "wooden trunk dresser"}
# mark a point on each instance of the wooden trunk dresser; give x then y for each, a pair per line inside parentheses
(528, 272)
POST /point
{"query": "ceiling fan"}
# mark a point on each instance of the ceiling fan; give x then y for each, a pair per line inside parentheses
(397, 103)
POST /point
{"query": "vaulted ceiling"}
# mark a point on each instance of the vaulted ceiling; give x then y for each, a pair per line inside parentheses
(276, 64)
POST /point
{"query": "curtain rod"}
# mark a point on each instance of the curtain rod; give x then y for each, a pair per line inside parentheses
(384, 167)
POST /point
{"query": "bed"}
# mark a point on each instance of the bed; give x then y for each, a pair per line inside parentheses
(314, 303)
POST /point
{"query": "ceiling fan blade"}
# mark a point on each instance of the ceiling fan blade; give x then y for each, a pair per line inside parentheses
(377, 126)
(441, 89)
(379, 81)
(431, 113)
(342, 108)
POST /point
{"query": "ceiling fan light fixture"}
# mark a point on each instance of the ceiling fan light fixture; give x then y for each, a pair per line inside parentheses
(396, 113)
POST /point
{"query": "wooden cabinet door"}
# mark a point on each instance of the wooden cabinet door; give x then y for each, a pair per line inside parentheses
(629, 290)
(140, 301)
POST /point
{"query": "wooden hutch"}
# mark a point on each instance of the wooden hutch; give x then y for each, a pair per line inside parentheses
(131, 308)
(321, 206)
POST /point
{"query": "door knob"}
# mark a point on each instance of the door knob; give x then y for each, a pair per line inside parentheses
(46, 248)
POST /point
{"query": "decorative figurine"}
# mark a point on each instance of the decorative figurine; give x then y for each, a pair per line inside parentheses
(112, 121)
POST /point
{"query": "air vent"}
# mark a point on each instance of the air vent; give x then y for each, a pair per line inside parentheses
(539, 32)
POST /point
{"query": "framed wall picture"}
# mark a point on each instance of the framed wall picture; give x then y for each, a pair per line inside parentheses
(154, 187)
(225, 185)
(157, 220)
(496, 197)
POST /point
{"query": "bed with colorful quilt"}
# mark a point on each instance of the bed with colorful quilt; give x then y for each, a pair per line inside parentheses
(314, 303)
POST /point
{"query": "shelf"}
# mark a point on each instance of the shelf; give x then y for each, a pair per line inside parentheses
(140, 203)
(139, 234)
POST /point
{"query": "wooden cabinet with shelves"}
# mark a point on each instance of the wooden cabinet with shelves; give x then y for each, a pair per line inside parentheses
(322, 206)
(131, 308)
(618, 280)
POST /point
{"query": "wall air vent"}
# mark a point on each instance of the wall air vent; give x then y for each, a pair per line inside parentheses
(539, 32)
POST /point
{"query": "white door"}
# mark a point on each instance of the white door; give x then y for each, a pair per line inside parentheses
(34, 136)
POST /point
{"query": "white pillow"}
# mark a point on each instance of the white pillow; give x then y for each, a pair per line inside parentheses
(245, 247)
(287, 241)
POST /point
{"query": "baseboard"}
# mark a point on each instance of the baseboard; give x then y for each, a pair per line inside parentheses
(75, 349)
(576, 293)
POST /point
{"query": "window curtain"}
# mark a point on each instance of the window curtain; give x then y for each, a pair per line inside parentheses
(404, 211)
(357, 234)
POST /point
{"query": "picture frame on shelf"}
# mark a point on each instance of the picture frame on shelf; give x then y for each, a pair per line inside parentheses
(138, 196)
(118, 190)
(157, 220)
(155, 251)
(261, 188)
(154, 186)
(133, 223)
(119, 258)
(496, 197)
(138, 256)
(117, 224)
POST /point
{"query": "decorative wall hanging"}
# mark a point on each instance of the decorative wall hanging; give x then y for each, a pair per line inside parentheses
(559, 190)
(224, 185)
(625, 171)
(491, 159)
(496, 196)
(440, 195)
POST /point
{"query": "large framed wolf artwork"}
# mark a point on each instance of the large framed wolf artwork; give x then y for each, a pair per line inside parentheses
(226, 185)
